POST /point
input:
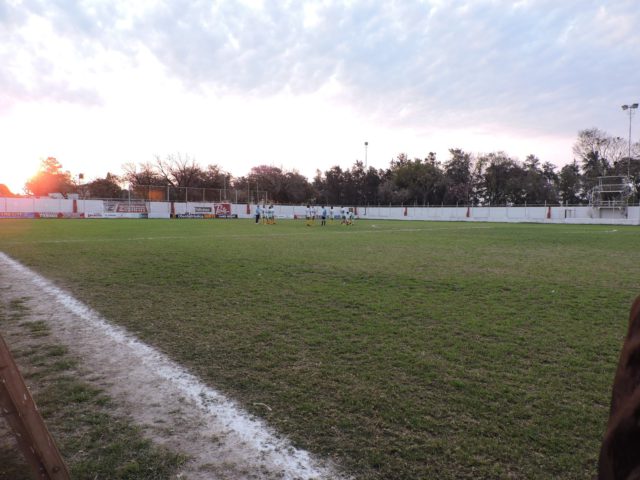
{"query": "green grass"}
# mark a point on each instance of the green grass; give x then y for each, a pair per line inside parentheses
(95, 443)
(400, 349)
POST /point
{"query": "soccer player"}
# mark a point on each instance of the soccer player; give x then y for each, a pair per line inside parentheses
(343, 216)
(272, 215)
(308, 215)
(324, 216)
(331, 214)
(257, 213)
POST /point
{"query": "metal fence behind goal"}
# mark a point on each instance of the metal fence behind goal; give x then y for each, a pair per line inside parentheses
(156, 193)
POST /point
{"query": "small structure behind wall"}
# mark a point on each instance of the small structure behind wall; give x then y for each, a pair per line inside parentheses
(610, 197)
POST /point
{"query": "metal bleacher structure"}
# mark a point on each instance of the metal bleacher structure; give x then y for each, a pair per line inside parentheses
(612, 194)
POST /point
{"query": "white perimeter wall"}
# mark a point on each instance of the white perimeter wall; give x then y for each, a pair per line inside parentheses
(49, 205)
(558, 214)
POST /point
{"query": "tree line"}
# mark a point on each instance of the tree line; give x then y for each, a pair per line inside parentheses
(462, 179)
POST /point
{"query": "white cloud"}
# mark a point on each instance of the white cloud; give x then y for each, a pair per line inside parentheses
(299, 83)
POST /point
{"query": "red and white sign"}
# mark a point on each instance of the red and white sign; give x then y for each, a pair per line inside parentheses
(125, 209)
(222, 209)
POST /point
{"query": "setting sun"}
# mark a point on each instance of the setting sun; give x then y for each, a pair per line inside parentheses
(15, 175)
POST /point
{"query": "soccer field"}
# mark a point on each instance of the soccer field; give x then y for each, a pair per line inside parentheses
(399, 349)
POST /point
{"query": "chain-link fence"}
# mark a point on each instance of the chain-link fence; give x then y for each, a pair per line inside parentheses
(156, 193)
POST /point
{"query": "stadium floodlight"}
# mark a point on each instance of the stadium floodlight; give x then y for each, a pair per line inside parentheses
(366, 144)
(630, 108)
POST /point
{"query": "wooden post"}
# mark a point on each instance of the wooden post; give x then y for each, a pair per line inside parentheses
(22, 415)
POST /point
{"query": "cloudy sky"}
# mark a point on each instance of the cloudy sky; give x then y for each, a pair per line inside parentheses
(302, 85)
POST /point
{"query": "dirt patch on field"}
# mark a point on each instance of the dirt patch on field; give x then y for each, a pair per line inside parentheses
(174, 408)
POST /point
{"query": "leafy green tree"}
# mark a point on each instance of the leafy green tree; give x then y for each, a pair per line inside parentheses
(549, 173)
(50, 179)
(357, 176)
(458, 177)
(594, 166)
(503, 180)
(331, 186)
(278, 185)
(418, 181)
(215, 177)
(570, 188)
(296, 189)
(107, 187)
(268, 179)
(349, 188)
(551, 183)
(539, 181)
(372, 182)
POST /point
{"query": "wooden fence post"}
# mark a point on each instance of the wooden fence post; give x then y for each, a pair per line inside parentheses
(22, 415)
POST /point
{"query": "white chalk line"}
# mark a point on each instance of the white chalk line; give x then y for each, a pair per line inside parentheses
(249, 235)
(295, 463)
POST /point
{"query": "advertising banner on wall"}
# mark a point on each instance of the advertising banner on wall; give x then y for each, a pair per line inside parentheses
(222, 209)
(58, 215)
(213, 210)
(122, 209)
(17, 215)
(41, 215)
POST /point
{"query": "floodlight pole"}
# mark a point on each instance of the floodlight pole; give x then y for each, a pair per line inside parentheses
(366, 144)
(630, 108)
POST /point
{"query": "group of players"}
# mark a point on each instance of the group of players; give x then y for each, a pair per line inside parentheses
(267, 215)
(346, 215)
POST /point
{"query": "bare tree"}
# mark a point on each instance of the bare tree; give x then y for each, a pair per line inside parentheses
(180, 171)
(143, 174)
(598, 150)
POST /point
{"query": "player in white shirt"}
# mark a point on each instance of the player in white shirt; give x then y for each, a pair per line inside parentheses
(271, 218)
(308, 215)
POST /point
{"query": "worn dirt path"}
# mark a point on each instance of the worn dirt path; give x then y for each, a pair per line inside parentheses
(174, 407)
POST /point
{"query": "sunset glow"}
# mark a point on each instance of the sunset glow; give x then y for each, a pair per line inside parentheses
(246, 83)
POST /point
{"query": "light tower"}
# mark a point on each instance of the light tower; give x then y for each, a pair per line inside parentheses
(366, 144)
(630, 109)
